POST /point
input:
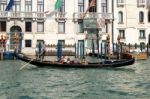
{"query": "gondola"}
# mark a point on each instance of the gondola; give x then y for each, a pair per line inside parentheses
(106, 63)
(114, 56)
(103, 56)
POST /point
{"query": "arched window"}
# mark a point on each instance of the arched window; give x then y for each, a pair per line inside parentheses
(148, 16)
(141, 17)
(120, 16)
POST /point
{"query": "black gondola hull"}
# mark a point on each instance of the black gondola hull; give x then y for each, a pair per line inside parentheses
(107, 63)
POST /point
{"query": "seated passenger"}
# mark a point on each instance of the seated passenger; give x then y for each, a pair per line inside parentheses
(68, 60)
(76, 60)
(84, 62)
(64, 60)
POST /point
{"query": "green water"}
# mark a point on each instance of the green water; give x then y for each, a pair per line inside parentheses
(131, 82)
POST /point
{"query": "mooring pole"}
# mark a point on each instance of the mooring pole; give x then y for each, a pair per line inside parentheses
(101, 51)
(147, 50)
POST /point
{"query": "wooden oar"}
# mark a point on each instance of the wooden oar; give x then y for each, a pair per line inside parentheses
(23, 66)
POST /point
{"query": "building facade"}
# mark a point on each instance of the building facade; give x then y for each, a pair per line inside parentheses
(27, 23)
(132, 21)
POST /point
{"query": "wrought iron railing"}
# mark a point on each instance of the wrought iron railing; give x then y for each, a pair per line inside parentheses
(80, 15)
(120, 2)
(60, 15)
(13, 14)
(141, 3)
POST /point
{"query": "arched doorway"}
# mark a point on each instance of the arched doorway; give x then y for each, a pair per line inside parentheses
(15, 37)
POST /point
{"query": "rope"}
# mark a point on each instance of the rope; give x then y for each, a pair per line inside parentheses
(23, 66)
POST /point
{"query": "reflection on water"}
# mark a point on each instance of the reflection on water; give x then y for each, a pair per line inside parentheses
(130, 82)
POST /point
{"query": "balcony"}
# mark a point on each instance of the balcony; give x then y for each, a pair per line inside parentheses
(141, 3)
(93, 19)
(60, 16)
(22, 15)
(107, 16)
(120, 3)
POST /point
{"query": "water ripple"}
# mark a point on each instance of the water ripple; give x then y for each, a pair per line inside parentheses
(53, 83)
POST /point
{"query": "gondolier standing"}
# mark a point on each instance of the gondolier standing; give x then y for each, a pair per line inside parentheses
(38, 51)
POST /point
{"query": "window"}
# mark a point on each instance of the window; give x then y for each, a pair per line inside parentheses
(122, 34)
(103, 43)
(141, 3)
(3, 4)
(120, 1)
(39, 41)
(80, 5)
(142, 34)
(104, 6)
(2, 26)
(80, 27)
(40, 27)
(148, 16)
(28, 43)
(80, 49)
(61, 27)
(17, 5)
(92, 8)
(28, 5)
(141, 17)
(40, 5)
(28, 26)
(148, 3)
(62, 42)
(62, 8)
(120, 16)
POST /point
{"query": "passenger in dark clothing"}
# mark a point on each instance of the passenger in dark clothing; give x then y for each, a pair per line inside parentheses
(40, 51)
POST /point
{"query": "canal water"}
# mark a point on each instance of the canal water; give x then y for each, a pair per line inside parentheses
(132, 82)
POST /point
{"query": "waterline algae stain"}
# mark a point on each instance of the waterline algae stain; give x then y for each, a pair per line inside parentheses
(52, 83)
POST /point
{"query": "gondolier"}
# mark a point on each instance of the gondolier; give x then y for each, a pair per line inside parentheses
(38, 51)
(43, 50)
